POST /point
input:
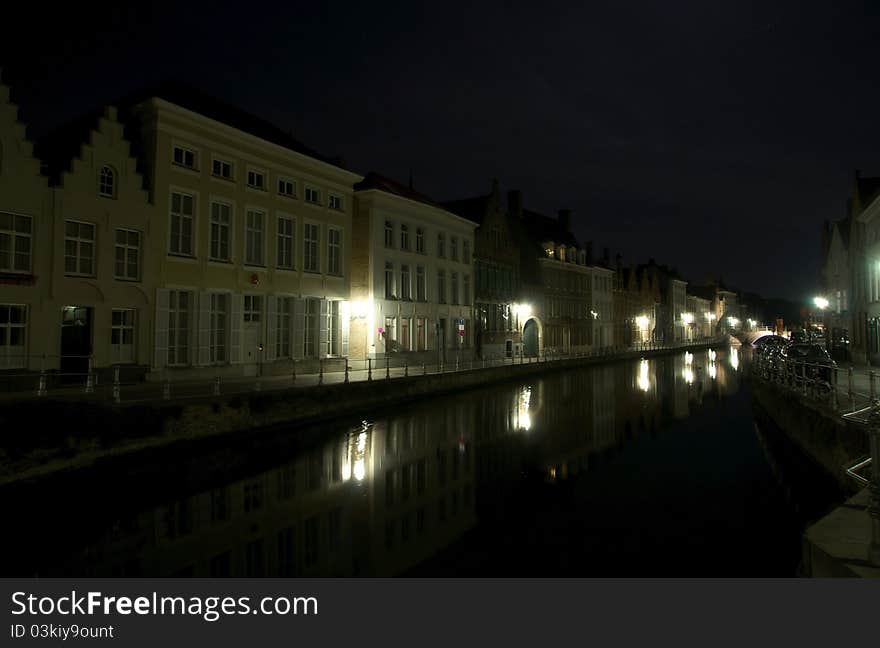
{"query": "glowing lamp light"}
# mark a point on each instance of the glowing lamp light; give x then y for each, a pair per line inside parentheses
(644, 380)
(710, 317)
(820, 302)
(523, 311)
(733, 321)
(642, 321)
(687, 318)
(688, 358)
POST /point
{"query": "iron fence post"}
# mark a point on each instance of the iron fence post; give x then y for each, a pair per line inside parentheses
(346, 370)
(90, 379)
(852, 396)
(41, 387)
(406, 369)
(116, 395)
(387, 368)
(321, 371)
(369, 369)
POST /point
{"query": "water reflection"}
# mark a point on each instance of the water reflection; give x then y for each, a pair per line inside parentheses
(380, 498)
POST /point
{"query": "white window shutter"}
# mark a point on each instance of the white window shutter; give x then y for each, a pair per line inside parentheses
(323, 329)
(204, 329)
(236, 316)
(299, 324)
(271, 328)
(344, 329)
(160, 351)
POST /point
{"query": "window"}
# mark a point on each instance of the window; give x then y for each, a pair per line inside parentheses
(221, 223)
(178, 327)
(404, 237)
(441, 245)
(106, 184)
(13, 325)
(334, 251)
(420, 240)
(421, 329)
(466, 290)
(218, 319)
(420, 283)
(15, 243)
(453, 280)
(333, 328)
(310, 329)
(184, 157)
(453, 248)
(253, 306)
(285, 242)
(389, 234)
(405, 292)
(127, 253)
(313, 196)
(335, 202)
(221, 169)
(256, 180)
(466, 252)
(310, 248)
(389, 280)
(286, 187)
(441, 286)
(79, 248)
(282, 338)
(253, 252)
(182, 213)
(405, 327)
(122, 335)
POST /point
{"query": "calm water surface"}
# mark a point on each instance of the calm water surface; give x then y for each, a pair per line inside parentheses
(645, 468)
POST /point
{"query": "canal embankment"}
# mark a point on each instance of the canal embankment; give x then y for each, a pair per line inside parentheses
(47, 437)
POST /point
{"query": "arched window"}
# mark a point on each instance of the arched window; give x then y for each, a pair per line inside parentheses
(106, 181)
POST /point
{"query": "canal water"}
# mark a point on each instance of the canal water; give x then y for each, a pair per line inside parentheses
(656, 467)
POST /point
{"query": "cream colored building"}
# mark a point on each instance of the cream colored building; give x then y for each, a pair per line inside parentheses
(412, 276)
(76, 285)
(251, 239)
(25, 261)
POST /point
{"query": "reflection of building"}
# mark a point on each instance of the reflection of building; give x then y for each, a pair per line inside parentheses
(412, 275)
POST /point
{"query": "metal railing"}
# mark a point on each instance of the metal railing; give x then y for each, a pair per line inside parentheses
(853, 397)
(119, 382)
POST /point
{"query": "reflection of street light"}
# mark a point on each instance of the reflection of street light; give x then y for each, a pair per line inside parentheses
(733, 321)
(687, 318)
(820, 302)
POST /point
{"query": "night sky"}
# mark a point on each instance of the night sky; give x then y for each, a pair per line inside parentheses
(713, 136)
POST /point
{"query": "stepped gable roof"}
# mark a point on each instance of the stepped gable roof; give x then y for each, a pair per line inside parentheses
(58, 149)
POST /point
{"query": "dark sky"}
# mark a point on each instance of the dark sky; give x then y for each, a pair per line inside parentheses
(713, 136)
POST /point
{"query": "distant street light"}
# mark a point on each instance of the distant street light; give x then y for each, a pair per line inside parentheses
(821, 303)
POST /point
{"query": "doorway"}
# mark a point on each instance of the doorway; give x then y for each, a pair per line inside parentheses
(530, 338)
(76, 342)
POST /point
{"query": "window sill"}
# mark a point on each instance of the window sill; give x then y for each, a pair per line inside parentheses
(287, 196)
(256, 266)
(223, 178)
(77, 275)
(314, 272)
(188, 258)
(254, 188)
(127, 279)
(179, 166)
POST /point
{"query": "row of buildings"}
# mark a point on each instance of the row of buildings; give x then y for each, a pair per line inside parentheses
(850, 274)
(172, 233)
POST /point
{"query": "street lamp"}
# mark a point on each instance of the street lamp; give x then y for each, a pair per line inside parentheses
(820, 302)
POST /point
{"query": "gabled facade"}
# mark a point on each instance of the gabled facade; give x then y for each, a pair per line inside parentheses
(26, 311)
(499, 312)
(412, 276)
(102, 283)
(837, 284)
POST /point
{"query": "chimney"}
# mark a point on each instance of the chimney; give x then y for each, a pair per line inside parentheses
(515, 204)
(565, 219)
